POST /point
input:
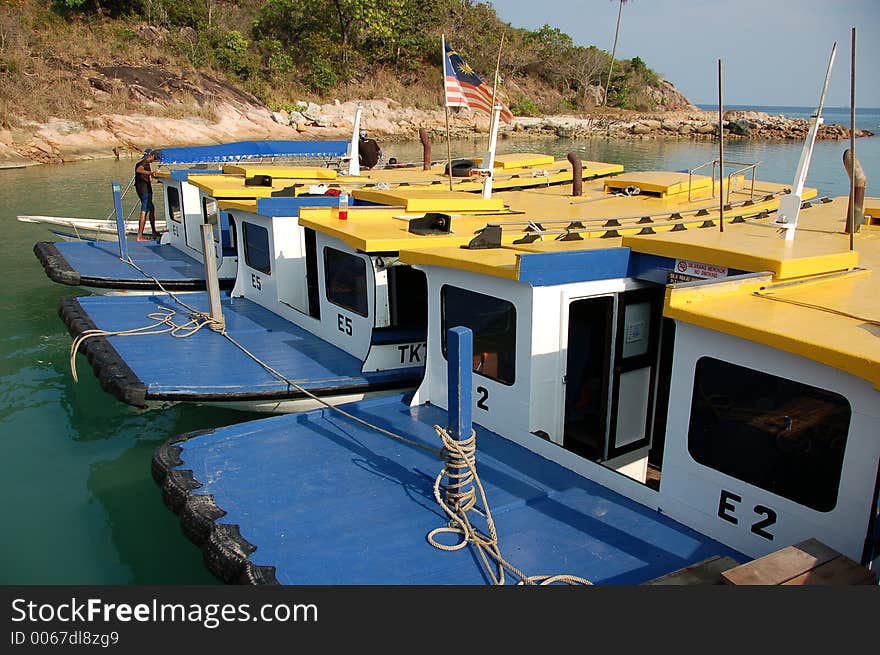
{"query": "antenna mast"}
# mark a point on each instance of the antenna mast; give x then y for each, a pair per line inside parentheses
(790, 205)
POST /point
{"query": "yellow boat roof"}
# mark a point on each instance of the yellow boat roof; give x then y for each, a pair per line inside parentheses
(596, 206)
(425, 200)
(386, 229)
(286, 172)
(522, 160)
(664, 183)
(753, 246)
(828, 315)
(229, 186)
(556, 212)
(512, 170)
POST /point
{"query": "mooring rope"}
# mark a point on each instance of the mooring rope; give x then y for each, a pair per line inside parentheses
(462, 488)
(162, 317)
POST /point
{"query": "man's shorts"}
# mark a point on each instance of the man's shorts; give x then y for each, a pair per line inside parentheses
(147, 202)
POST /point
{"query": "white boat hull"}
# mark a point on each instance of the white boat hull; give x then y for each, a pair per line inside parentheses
(86, 229)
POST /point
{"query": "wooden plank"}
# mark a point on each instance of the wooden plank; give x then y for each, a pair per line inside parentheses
(782, 565)
(839, 571)
(707, 572)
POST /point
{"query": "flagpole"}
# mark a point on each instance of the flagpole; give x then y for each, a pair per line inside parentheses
(494, 87)
(446, 107)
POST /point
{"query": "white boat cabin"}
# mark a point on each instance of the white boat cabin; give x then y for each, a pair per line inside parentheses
(605, 356)
(187, 207)
(191, 199)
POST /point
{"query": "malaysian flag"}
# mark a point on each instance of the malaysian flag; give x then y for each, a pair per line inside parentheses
(464, 88)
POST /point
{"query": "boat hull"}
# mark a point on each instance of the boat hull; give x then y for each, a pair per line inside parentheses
(86, 229)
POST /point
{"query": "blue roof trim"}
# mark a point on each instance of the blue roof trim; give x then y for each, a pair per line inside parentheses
(548, 268)
(244, 150)
(182, 174)
(290, 206)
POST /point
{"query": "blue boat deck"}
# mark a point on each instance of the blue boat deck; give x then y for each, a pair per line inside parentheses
(207, 366)
(97, 264)
(318, 499)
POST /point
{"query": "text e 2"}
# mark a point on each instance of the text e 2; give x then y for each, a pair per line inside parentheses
(727, 508)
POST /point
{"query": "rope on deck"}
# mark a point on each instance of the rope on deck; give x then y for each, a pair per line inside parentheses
(461, 497)
(198, 320)
(165, 316)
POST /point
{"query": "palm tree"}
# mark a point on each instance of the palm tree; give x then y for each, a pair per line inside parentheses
(613, 49)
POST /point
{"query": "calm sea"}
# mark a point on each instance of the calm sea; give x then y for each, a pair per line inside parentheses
(81, 507)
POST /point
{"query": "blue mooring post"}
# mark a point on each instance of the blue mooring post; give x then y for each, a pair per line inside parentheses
(120, 221)
(460, 350)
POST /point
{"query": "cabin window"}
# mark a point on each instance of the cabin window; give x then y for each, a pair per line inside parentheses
(785, 437)
(256, 247)
(211, 215)
(493, 323)
(175, 209)
(345, 276)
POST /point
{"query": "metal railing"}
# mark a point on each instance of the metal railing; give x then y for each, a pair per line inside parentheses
(715, 165)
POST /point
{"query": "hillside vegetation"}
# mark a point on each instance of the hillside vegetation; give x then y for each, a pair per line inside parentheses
(280, 52)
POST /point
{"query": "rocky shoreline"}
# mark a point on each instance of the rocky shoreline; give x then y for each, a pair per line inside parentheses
(114, 135)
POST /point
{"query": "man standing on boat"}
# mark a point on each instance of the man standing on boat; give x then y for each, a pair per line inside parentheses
(143, 184)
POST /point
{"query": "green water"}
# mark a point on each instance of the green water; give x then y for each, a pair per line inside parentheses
(81, 506)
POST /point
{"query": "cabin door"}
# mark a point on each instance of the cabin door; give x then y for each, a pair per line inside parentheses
(634, 369)
(610, 376)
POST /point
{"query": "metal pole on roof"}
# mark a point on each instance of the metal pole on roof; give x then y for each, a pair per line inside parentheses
(851, 219)
(720, 151)
(495, 83)
(446, 107)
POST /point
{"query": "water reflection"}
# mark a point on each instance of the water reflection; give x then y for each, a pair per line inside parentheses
(146, 535)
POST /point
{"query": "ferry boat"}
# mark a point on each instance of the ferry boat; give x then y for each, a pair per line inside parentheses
(311, 318)
(295, 256)
(651, 403)
(176, 262)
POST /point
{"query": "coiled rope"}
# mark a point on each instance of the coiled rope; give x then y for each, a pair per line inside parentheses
(462, 488)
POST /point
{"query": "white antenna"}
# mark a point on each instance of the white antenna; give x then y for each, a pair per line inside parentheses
(489, 159)
(790, 204)
(354, 163)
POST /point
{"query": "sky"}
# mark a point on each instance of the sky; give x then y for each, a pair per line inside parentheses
(772, 52)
